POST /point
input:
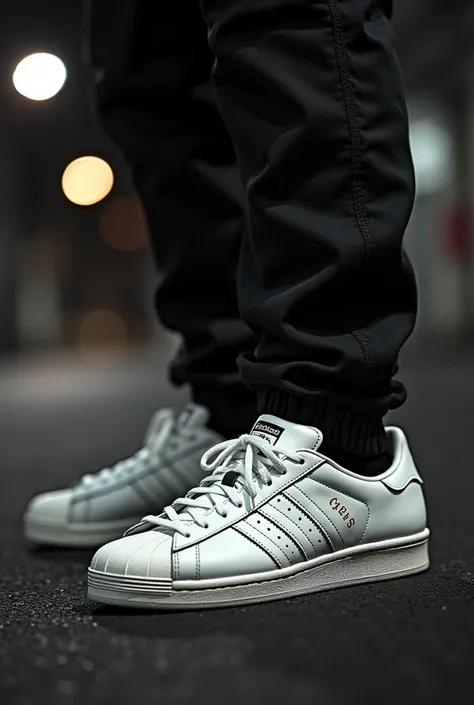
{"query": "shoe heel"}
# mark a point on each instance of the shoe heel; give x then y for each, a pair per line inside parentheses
(372, 566)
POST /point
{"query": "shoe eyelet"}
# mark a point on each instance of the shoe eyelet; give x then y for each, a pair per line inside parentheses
(225, 515)
(206, 526)
(188, 535)
(269, 484)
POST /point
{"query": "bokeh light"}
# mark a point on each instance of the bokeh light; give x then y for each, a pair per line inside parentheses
(87, 180)
(102, 327)
(122, 224)
(39, 76)
(433, 157)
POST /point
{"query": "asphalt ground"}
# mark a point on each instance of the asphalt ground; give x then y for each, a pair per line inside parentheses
(403, 641)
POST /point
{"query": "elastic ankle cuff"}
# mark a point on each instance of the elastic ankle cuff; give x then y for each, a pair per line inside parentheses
(347, 423)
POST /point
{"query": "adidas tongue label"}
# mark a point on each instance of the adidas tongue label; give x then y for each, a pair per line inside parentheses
(193, 415)
(270, 432)
(186, 416)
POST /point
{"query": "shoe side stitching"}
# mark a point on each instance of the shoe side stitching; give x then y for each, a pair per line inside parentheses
(254, 540)
(355, 146)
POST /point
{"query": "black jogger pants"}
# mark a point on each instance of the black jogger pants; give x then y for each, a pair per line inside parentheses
(277, 196)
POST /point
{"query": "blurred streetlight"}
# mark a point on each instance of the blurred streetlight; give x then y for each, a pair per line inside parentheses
(39, 76)
(87, 180)
(433, 157)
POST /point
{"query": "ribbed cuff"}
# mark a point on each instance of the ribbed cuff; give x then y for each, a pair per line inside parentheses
(349, 424)
(233, 407)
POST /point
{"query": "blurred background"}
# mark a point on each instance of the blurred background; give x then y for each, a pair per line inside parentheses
(75, 269)
(83, 366)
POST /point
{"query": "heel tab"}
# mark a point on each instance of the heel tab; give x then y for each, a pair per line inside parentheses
(404, 469)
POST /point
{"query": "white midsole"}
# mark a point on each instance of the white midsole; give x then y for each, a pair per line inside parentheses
(382, 560)
(306, 565)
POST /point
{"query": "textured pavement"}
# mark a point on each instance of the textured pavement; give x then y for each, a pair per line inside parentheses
(410, 640)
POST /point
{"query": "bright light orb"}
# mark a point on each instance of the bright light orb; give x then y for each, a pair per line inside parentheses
(39, 76)
(87, 180)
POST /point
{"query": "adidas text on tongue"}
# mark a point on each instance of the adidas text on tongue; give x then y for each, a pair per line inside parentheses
(268, 431)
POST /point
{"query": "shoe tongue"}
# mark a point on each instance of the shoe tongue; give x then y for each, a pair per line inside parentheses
(193, 415)
(280, 434)
(284, 435)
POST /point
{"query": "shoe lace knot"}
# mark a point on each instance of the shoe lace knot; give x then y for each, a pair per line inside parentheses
(252, 462)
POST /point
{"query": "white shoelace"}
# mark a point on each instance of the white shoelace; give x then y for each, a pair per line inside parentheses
(163, 426)
(250, 456)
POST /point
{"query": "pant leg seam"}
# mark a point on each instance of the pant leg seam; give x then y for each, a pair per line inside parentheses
(356, 157)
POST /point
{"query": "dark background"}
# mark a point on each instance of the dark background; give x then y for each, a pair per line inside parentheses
(56, 269)
(83, 365)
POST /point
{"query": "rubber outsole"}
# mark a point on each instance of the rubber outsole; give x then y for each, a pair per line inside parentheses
(91, 535)
(384, 560)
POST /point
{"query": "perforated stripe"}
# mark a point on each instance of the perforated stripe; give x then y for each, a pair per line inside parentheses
(276, 536)
(198, 561)
(288, 529)
(302, 527)
(321, 519)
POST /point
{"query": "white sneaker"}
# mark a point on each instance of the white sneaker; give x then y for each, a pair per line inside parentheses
(275, 519)
(102, 506)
